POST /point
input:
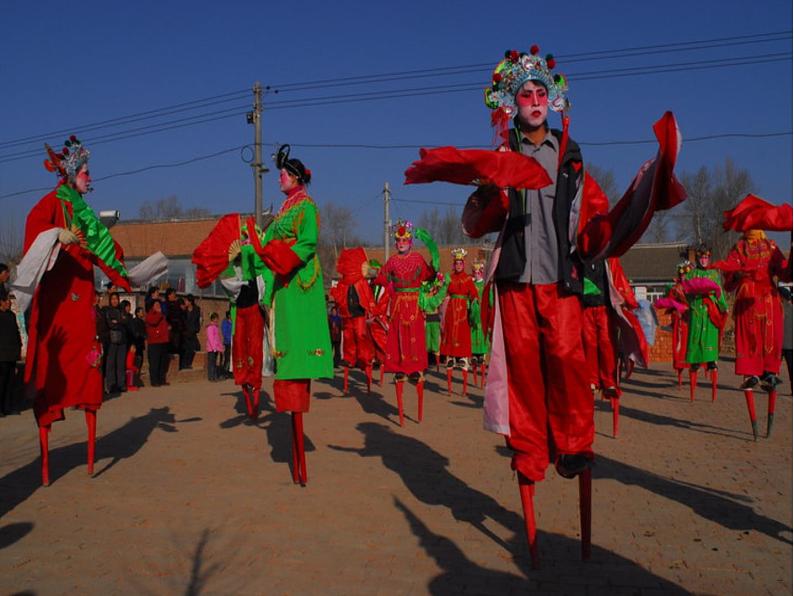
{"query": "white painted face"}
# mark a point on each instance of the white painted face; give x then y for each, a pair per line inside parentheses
(532, 101)
(458, 266)
(286, 181)
(403, 245)
(82, 181)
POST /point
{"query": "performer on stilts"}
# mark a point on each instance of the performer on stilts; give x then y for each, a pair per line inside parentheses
(294, 287)
(357, 306)
(402, 275)
(676, 305)
(456, 329)
(431, 295)
(752, 269)
(609, 328)
(379, 323)
(551, 217)
(62, 368)
(227, 254)
(480, 342)
(707, 315)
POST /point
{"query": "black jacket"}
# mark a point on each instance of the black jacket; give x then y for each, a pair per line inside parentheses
(10, 340)
(513, 256)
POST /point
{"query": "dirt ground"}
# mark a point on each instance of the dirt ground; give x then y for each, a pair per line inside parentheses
(189, 497)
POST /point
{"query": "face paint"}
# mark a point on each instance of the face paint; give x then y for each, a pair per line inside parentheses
(403, 245)
(82, 182)
(533, 104)
(704, 260)
(458, 266)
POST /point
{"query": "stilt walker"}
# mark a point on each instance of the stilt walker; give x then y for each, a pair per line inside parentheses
(227, 254)
(379, 323)
(707, 315)
(610, 328)
(550, 216)
(676, 305)
(403, 274)
(461, 309)
(431, 295)
(356, 303)
(752, 270)
(64, 240)
(294, 288)
(480, 342)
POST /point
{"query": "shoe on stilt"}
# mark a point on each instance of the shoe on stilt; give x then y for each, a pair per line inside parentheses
(750, 382)
(769, 381)
(571, 465)
(527, 490)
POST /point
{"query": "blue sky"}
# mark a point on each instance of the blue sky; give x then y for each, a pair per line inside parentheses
(96, 61)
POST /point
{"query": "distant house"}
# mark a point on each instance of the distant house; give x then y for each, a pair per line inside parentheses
(652, 267)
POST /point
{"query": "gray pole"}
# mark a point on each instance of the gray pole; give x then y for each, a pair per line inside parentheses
(386, 220)
(256, 165)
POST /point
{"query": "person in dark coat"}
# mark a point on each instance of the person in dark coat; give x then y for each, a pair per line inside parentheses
(10, 347)
(116, 357)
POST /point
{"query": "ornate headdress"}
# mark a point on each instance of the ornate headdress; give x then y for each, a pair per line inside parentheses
(458, 254)
(478, 266)
(293, 166)
(403, 230)
(684, 267)
(515, 70)
(68, 161)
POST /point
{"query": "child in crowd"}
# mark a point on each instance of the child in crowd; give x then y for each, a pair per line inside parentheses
(214, 348)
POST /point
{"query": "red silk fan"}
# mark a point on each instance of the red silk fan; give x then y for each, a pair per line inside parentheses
(211, 257)
(477, 167)
(700, 286)
(754, 213)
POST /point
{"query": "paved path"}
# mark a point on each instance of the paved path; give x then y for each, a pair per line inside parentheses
(189, 497)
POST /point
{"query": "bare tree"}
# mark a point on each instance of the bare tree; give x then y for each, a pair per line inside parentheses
(337, 225)
(444, 228)
(169, 208)
(11, 240)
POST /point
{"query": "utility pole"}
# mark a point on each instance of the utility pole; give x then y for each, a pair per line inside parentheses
(386, 220)
(255, 118)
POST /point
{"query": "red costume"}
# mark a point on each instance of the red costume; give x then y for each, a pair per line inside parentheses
(456, 331)
(750, 271)
(356, 304)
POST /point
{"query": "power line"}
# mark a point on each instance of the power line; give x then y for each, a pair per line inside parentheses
(129, 118)
(139, 170)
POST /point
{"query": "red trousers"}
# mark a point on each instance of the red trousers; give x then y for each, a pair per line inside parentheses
(249, 329)
(292, 395)
(551, 407)
(357, 347)
(598, 338)
(759, 334)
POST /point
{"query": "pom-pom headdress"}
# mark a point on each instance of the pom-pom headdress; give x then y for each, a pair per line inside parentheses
(458, 254)
(478, 266)
(511, 74)
(68, 161)
(403, 230)
(684, 267)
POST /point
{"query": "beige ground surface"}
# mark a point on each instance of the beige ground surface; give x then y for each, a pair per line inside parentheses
(191, 498)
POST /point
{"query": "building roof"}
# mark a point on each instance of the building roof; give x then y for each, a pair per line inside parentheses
(653, 262)
(177, 238)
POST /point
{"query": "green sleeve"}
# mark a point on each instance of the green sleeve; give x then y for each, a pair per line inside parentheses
(306, 242)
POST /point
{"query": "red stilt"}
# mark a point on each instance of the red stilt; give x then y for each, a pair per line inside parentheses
(248, 409)
(420, 395)
(438, 362)
(381, 375)
(748, 396)
(298, 417)
(45, 454)
(474, 372)
(465, 381)
(482, 375)
(693, 381)
(679, 371)
(615, 415)
(585, 510)
(345, 382)
(770, 412)
(295, 456)
(449, 380)
(368, 370)
(527, 490)
(90, 422)
(399, 389)
(254, 402)
(713, 385)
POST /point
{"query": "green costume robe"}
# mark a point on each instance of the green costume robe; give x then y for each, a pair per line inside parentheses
(703, 344)
(429, 304)
(302, 345)
(479, 342)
